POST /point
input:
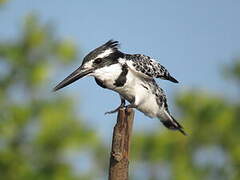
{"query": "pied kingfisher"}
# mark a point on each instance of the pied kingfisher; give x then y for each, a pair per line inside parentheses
(132, 77)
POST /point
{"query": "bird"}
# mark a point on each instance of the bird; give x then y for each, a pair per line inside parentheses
(132, 76)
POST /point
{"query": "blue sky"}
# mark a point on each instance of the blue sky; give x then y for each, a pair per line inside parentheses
(192, 39)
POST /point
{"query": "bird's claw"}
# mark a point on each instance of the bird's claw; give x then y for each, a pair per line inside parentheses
(122, 105)
(112, 112)
(115, 110)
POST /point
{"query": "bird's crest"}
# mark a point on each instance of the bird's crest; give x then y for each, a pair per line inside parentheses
(112, 44)
(102, 51)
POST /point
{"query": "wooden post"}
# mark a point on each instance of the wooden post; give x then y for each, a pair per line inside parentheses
(119, 159)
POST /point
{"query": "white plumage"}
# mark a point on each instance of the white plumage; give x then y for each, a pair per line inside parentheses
(132, 77)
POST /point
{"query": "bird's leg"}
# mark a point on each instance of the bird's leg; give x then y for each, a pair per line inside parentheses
(116, 110)
(130, 106)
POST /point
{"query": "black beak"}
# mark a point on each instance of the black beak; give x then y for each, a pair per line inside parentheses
(77, 74)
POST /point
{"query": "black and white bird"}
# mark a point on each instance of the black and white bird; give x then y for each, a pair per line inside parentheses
(132, 77)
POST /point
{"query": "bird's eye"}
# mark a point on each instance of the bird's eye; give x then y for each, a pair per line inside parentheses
(98, 61)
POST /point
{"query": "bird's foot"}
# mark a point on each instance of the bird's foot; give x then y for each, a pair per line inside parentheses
(122, 105)
(114, 111)
(130, 106)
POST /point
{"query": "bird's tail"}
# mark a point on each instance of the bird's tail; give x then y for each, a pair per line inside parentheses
(170, 123)
(170, 78)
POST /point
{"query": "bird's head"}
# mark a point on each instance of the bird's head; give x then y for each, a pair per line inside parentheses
(103, 56)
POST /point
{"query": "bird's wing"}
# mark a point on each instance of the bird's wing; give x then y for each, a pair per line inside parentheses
(147, 67)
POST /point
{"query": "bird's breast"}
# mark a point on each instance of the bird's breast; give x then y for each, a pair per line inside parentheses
(108, 75)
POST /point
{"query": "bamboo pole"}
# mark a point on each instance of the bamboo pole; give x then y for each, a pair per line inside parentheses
(119, 158)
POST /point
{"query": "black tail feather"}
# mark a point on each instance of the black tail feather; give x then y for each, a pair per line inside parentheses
(173, 125)
(170, 78)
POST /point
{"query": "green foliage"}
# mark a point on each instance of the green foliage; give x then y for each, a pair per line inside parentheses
(37, 127)
(3, 2)
(211, 151)
(232, 71)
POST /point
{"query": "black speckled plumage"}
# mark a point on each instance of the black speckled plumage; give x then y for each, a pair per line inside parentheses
(161, 99)
(132, 76)
(149, 67)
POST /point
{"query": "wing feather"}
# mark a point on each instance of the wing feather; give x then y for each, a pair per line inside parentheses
(148, 68)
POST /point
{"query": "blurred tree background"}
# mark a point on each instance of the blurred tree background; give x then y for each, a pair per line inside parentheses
(212, 149)
(42, 137)
(39, 131)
